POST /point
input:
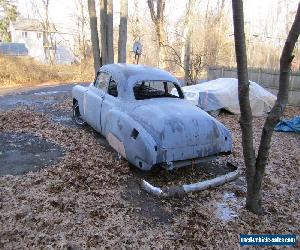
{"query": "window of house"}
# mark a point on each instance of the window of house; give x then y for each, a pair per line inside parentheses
(24, 34)
(38, 35)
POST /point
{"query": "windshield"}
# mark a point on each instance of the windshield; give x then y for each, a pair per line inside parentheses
(156, 89)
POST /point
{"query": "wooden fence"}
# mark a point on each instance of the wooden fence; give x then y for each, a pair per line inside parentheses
(269, 79)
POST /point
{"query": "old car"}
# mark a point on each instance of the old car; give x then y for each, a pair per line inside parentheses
(133, 108)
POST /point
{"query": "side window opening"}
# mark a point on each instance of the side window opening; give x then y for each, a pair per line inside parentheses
(102, 81)
(156, 89)
(112, 88)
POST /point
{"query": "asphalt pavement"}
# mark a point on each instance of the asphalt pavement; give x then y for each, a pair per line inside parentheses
(24, 152)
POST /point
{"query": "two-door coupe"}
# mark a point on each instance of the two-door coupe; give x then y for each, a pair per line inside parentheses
(132, 106)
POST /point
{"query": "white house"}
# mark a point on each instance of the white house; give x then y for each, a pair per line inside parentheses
(32, 34)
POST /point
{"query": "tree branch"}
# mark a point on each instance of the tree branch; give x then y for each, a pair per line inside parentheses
(282, 96)
(151, 8)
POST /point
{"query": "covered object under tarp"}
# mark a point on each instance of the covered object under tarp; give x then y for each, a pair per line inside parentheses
(222, 93)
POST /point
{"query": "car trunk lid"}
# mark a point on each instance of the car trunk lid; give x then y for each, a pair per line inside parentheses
(176, 123)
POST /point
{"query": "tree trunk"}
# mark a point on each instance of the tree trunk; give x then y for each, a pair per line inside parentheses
(161, 44)
(255, 168)
(82, 23)
(187, 42)
(103, 18)
(158, 20)
(94, 34)
(246, 113)
(47, 37)
(110, 32)
(123, 31)
(187, 59)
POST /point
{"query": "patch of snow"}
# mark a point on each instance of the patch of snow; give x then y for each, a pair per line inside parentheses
(227, 207)
(49, 92)
(62, 119)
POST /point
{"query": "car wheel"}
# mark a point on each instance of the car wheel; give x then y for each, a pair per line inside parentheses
(77, 116)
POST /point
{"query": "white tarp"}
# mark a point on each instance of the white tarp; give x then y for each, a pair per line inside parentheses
(223, 93)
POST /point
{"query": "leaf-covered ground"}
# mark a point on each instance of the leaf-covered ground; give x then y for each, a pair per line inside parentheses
(90, 199)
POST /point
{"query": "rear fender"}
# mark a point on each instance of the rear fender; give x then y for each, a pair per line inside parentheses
(130, 139)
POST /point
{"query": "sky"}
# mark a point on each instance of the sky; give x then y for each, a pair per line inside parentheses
(256, 11)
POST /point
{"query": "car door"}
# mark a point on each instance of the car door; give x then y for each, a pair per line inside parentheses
(93, 99)
(110, 101)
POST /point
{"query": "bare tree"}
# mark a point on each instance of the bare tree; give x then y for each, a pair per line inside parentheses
(81, 20)
(48, 43)
(109, 32)
(106, 29)
(255, 166)
(48, 29)
(123, 31)
(94, 34)
(187, 43)
(135, 22)
(103, 28)
(214, 31)
(47, 35)
(158, 20)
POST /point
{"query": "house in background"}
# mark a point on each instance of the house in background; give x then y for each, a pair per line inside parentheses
(31, 33)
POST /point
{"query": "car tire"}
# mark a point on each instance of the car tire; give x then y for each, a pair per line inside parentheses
(77, 116)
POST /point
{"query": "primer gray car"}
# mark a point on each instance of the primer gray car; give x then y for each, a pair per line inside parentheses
(132, 106)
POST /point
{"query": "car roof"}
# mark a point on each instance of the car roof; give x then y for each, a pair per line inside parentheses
(129, 74)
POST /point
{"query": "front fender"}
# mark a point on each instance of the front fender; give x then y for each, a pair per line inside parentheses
(78, 94)
(130, 139)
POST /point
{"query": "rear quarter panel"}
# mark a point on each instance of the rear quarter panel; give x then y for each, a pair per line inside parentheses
(138, 150)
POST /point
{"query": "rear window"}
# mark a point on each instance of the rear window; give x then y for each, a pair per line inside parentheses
(156, 89)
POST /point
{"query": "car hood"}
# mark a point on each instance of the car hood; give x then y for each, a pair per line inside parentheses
(175, 123)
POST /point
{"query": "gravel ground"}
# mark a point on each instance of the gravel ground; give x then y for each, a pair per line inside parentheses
(90, 199)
